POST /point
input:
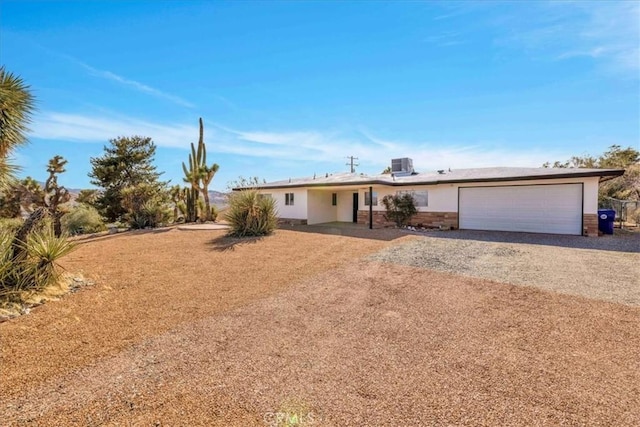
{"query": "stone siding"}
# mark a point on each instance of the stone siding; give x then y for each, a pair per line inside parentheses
(590, 225)
(291, 221)
(426, 219)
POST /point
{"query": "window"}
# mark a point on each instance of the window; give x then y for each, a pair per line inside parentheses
(288, 199)
(265, 196)
(366, 198)
(334, 199)
(420, 197)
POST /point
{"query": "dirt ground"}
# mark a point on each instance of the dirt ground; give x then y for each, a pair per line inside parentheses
(192, 328)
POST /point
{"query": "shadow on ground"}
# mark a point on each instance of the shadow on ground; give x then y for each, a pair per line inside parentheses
(225, 242)
(108, 236)
(348, 229)
(617, 243)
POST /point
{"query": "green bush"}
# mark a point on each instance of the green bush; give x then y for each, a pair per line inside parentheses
(399, 208)
(34, 268)
(249, 214)
(11, 224)
(82, 219)
(146, 206)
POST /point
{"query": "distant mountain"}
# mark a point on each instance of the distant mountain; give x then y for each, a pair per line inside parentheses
(216, 198)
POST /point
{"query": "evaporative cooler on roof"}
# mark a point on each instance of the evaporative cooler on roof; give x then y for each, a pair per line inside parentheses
(401, 167)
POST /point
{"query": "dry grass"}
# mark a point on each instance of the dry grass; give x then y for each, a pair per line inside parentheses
(191, 328)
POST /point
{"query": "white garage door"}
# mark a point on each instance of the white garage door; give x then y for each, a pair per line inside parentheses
(553, 209)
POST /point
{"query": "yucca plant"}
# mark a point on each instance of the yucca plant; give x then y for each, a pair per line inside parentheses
(44, 249)
(6, 238)
(250, 214)
(37, 267)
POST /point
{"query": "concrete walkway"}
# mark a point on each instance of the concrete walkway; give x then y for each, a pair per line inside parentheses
(205, 226)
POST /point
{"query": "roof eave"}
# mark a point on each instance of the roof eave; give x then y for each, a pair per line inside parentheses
(611, 173)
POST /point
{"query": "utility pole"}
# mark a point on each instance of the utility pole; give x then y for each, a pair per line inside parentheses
(352, 164)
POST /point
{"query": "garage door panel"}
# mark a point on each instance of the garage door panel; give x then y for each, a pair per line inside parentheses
(536, 208)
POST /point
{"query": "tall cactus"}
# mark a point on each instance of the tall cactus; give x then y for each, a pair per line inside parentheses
(191, 203)
(199, 175)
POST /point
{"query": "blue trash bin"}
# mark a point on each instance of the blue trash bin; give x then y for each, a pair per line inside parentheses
(606, 217)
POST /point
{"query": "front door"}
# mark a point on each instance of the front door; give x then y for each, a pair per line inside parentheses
(355, 207)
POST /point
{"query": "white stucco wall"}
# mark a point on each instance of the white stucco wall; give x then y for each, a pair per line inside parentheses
(444, 197)
(345, 206)
(319, 207)
(299, 208)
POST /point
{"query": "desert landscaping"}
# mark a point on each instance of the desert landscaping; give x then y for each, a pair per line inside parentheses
(321, 326)
(319, 213)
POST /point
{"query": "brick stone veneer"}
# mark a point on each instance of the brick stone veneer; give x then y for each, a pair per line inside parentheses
(291, 221)
(427, 219)
(590, 225)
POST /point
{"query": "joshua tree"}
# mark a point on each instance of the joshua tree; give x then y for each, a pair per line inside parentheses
(54, 194)
(199, 175)
(31, 194)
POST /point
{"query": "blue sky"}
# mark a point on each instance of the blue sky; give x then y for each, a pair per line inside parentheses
(290, 89)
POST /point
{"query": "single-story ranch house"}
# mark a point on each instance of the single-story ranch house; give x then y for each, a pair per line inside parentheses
(538, 200)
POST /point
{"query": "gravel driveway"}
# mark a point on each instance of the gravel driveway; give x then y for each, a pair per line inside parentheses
(606, 268)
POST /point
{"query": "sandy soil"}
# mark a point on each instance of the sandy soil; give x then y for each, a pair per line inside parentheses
(189, 328)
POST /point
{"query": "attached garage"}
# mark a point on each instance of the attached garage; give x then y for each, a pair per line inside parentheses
(550, 208)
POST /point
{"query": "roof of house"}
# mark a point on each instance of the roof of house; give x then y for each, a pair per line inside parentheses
(446, 177)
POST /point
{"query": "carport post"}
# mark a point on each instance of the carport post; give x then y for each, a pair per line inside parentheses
(370, 208)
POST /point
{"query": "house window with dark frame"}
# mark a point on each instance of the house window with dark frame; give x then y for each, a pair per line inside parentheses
(334, 199)
(288, 199)
(367, 197)
(420, 197)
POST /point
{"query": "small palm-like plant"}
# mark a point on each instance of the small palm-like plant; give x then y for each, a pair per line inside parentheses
(16, 106)
(36, 267)
(251, 214)
(44, 249)
(6, 266)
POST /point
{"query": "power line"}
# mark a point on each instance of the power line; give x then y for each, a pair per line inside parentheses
(352, 164)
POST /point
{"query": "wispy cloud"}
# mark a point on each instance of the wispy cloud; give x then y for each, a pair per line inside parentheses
(137, 86)
(312, 146)
(140, 87)
(87, 128)
(605, 31)
(445, 38)
(108, 75)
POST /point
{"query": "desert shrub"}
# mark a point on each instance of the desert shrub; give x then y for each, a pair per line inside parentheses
(11, 224)
(82, 219)
(146, 206)
(399, 208)
(35, 267)
(251, 215)
(152, 214)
